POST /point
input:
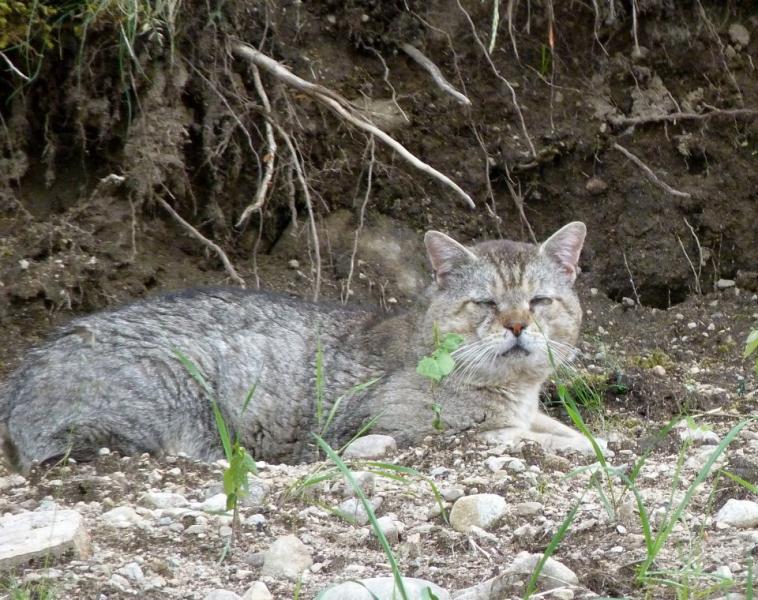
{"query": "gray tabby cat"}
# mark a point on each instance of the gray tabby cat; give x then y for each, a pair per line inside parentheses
(113, 378)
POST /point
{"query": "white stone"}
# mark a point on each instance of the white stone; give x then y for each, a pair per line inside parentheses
(220, 594)
(390, 528)
(132, 571)
(658, 370)
(516, 465)
(481, 510)
(739, 34)
(257, 591)
(123, 517)
(370, 447)
(366, 482)
(164, 500)
(352, 510)
(553, 575)
(451, 494)
(382, 588)
(214, 504)
(738, 513)
(41, 534)
(287, 557)
(724, 284)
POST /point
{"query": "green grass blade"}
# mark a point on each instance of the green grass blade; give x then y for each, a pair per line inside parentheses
(327, 449)
(531, 586)
(319, 384)
(753, 489)
(195, 373)
(351, 392)
(705, 470)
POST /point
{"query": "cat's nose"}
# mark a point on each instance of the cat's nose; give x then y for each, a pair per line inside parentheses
(516, 328)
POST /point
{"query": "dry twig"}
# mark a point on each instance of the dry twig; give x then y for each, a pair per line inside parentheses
(199, 236)
(649, 172)
(433, 70)
(343, 109)
(507, 83)
(747, 113)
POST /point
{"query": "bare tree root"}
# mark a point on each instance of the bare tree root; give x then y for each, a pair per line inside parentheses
(343, 109)
(509, 11)
(695, 272)
(300, 174)
(269, 158)
(232, 272)
(631, 279)
(433, 70)
(737, 113)
(346, 291)
(500, 77)
(649, 173)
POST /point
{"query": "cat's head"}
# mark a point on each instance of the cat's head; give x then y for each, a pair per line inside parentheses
(513, 303)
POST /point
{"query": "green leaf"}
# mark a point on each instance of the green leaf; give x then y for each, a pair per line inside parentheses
(445, 362)
(451, 342)
(751, 345)
(428, 367)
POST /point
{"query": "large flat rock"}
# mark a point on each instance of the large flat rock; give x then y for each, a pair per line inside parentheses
(41, 534)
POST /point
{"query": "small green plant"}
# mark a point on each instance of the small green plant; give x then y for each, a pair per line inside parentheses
(39, 590)
(656, 358)
(235, 478)
(751, 345)
(438, 365)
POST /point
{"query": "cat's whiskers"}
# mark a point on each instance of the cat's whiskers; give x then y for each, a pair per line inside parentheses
(469, 358)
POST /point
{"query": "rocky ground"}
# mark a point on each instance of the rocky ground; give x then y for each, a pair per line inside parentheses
(152, 528)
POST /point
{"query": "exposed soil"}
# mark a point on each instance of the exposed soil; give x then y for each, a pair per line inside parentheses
(181, 122)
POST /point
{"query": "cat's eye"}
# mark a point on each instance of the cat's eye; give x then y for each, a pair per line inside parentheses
(487, 303)
(540, 301)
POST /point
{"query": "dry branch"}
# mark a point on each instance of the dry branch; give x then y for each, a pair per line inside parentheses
(433, 70)
(649, 172)
(343, 109)
(199, 236)
(747, 113)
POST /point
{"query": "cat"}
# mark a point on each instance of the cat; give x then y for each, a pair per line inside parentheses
(114, 378)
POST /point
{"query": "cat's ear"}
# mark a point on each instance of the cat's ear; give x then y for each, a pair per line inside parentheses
(564, 247)
(444, 252)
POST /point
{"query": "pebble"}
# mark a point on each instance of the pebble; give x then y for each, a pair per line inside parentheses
(287, 557)
(658, 370)
(481, 510)
(382, 588)
(219, 594)
(390, 528)
(366, 482)
(132, 571)
(371, 446)
(738, 513)
(164, 500)
(739, 35)
(527, 508)
(214, 504)
(123, 517)
(595, 186)
(257, 591)
(451, 494)
(353, 510)
(554, 574)
(724, 284)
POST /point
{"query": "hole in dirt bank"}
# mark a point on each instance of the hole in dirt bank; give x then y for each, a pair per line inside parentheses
(652, 296)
